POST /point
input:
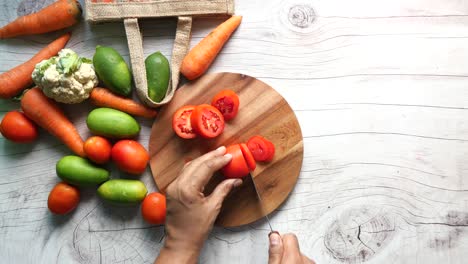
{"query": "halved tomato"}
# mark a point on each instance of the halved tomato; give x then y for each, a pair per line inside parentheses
(272, 148)
(261, 148)
(227, 102)
(237, 167)
(207, 121)
(249, 158)
(181, 122)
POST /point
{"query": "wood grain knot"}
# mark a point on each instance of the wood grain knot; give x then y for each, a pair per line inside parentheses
(358, 234)
(301, 16)
(27, 7)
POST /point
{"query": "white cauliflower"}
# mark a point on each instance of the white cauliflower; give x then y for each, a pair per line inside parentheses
(67, 78)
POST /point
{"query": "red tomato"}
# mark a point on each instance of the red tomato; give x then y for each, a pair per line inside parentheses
(237, 167)
(261, 148)
(227, 102)
(18, 128)
(153, 208)
(207, 121)
(130, 156)
(98, 149)
(248, 157)
(181, 122)
(63, 198)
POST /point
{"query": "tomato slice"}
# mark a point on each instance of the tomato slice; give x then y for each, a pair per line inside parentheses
(249, 158)
(207, 121)
(261, 148)
(237, 167)
(227, 102)
(181, 123)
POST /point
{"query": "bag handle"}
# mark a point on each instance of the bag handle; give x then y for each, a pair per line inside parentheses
(135, 45)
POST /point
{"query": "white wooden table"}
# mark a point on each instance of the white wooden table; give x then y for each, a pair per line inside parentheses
(381, 92)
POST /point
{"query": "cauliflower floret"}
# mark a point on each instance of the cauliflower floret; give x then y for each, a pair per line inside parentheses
(67, 78)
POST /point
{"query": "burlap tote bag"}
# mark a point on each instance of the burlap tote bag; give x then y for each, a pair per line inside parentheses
(131, 10)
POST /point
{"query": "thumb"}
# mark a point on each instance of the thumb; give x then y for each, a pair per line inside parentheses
(276, 248)
(222, 190)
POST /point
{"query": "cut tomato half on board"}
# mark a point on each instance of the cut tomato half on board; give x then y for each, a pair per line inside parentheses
(237, 167)
(207, 121)
(261, 148)
(249, 158)
(227, 102)
(181, 123)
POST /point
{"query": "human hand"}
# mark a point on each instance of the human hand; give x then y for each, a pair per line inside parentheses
(190, 215)
(285, 250)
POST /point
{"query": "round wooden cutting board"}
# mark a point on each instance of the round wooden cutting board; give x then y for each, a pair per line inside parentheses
(262, 112)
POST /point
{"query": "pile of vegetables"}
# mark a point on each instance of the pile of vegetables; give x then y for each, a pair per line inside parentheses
(57, 75)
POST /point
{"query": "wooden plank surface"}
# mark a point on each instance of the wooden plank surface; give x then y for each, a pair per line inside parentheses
(380, 91)
(262, 111)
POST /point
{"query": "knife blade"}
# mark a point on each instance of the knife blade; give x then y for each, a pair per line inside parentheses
(261, 203)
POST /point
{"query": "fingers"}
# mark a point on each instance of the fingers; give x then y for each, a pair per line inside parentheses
(192, 166)
(216, 198)
(206, 167)
(275, 251)
(291, 253)
(210, 155)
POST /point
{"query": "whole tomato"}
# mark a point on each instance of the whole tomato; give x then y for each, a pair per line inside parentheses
(98, 149)
(153, 208)
(63, 198)
(130, 156)
(16, 127)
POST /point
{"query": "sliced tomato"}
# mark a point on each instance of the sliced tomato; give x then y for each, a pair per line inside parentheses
(272, 150)
(237, 167)
(181, 123)
(249, 158)
(261, 148)
(207, 121)
(227, 102)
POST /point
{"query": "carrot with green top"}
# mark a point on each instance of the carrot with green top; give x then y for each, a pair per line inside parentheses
(47, 114)
(17, 79)
(105, 98)
(60, 14)
(202, 55)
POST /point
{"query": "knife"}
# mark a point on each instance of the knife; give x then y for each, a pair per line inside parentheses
(261, 205)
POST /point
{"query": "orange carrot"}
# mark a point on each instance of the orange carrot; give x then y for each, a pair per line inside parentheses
(15, 80)
(105, 98)
(47, 114)
(60, 14)
(202, 55)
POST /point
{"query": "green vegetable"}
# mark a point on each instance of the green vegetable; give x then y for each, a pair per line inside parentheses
(123, 191)
(79, 171)
(112, 123)
(45, 64)
(157, 74)
(68, 63)
(112, 70)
